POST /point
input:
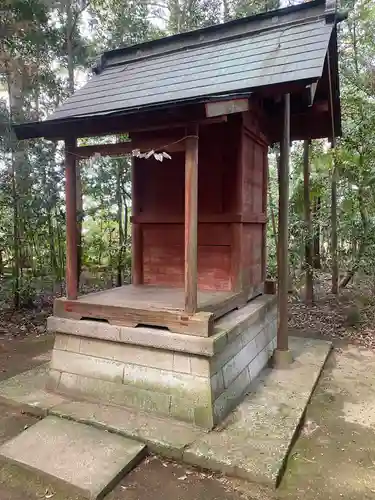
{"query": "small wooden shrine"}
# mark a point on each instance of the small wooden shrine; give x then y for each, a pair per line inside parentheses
(195, 327)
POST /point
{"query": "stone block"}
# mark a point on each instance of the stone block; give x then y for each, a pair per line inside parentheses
(231, 396)
(181, 363)
(53, 379)
(125, 353)
(154, 358)
(83, 460)
(200, 366)
(261, 340)
(142, 336)
(181, 409)
(230, 351)
(152, 379)
(256, 365)
(237, 364)
(90, 329)
(89, 366)
(146, 401)
(249, 334)
(217, 384)
(67, 342)
(100, 348)
(203, 416)
(193, 406)
(113, 393)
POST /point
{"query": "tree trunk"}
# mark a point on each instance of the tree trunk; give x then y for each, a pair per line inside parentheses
(14, 80)
(317, 264)
(335, 267)
(308, 224)
(69, 45)
(272, 208)
(226, 11)
(363, 243)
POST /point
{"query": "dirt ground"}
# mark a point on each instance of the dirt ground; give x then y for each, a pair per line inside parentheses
(333, 459)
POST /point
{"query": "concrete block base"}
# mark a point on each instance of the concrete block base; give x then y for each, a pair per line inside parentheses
(86, 461)
(187, 378)
(252, 443)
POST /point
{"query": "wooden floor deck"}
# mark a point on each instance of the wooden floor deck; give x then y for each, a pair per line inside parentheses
(132, 306)
(153, 297)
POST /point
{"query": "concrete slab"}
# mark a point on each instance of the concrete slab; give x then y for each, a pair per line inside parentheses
(87, 461)
(254, 441)
(163, 436)
(335, 455)
(28, 391)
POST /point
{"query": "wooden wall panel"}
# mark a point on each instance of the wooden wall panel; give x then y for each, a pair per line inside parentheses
(248, 259)
(231, 183)
(163, 255)
(161, 186)
(254, 165)
(252, 254)
(214, 263)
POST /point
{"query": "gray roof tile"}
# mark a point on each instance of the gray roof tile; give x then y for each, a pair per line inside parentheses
(278, 54)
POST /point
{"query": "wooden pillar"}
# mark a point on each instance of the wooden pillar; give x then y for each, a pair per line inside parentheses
(137, 238)
(282, 355)
(71, 220)
(335, 265)
(191, 219)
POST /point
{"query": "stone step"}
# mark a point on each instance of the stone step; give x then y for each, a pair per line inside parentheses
(82, 459)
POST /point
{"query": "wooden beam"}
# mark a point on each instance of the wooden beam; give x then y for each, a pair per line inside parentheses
(149, 218)
(191, 219)
(283, 237)
(181, 124)
(220, 108)
(169, 144)
(71, 220)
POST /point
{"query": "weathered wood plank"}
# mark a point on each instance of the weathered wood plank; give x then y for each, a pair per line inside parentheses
(71, 219)
(191, 219)
(199, 324)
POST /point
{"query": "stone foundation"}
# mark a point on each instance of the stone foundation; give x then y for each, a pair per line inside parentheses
(194, 379)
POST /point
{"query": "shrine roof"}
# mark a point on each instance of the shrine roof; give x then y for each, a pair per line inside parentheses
(227, 60)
